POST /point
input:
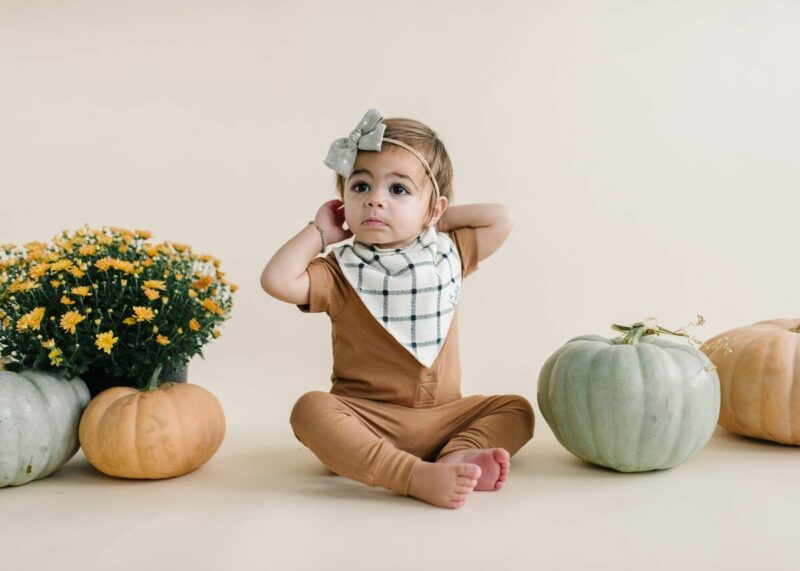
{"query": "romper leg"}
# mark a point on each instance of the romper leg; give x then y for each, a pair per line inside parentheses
(503, 421)
(348, 445)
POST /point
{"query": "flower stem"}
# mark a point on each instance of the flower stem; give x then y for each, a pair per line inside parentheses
(153, 384)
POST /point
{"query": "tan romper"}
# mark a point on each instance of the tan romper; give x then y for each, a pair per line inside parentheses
(386, 411)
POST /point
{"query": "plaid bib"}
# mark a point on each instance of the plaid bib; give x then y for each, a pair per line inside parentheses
(412, 291)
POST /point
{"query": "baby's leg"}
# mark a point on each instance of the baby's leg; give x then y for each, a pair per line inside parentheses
(490, 430)
(350, 445)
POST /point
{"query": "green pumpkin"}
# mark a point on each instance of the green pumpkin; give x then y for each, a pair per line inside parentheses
(39, 416)
(633, 404)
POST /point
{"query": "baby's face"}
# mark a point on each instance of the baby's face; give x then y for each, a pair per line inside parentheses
(391, 188)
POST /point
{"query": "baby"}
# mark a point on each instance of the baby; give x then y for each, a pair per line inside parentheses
(394, 416)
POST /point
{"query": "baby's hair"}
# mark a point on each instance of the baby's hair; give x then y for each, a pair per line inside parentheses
(428, 144)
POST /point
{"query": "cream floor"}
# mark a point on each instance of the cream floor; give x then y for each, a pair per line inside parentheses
(264, 502)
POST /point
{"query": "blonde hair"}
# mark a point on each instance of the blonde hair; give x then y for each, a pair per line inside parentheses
(427, 143)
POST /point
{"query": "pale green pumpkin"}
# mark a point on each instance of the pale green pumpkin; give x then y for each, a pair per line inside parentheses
(39, 417)
(633, 404)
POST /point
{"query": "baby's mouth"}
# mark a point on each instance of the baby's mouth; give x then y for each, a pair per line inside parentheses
(372, 223)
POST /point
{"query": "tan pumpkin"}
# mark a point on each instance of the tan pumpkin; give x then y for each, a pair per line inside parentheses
(759, 374)
(155, 433)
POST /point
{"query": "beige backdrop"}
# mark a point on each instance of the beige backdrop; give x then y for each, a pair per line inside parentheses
(649, 151)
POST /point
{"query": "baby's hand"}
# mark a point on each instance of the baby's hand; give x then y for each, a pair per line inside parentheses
(330, 217)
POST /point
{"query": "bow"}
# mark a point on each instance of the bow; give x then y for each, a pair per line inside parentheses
(367, 136)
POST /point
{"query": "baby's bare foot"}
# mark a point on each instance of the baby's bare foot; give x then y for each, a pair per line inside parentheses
(443, 485)
(495, 464)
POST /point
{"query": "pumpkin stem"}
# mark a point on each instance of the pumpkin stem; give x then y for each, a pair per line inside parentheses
(633, 333)
(153, 384)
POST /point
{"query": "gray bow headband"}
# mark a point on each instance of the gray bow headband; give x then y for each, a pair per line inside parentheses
(367, 136)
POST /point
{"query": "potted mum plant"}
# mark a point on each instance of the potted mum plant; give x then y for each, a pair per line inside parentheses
(109, 305)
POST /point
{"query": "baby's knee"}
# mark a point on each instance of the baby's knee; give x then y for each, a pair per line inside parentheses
(307, 410)
(525, 409)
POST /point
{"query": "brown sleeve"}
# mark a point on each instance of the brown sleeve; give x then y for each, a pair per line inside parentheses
(325, 287)
(466, 241)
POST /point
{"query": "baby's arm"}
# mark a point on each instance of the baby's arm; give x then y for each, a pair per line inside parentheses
(493, 223)
(285, 276)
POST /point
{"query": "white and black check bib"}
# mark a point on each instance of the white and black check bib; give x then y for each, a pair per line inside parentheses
(412, 291)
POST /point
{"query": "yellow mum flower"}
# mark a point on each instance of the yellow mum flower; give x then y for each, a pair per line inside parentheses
(147, 263)
(123, 248)
(162, 340)
(61, 265)
(179, 277)
(151, 251)
(103, 264)
(26, 285)
(31, 320)
(150, 293)
(192, 293)
(212, 306)
(39, 270)
(88, 250)
(123, 282)
(180, 330)
(49, 344)
(66, 300)
(77, 272)
(144, 234)
(155, 284)
(142, 313)
(234, 287)
(129, 320)
(55, 283)
(216, 333)
(105, 341)
(104, 239)
(82, 291)
(194, 325)
(69, 320)
(155, 329)
(56, 357)
(202, 283)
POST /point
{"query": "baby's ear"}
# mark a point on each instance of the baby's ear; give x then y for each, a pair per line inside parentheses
(439, 209)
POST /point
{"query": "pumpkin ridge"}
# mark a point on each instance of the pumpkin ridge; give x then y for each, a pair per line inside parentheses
(764, 382)
(137, 433)
(610, 350)
(775, 346)
(640, 351)
(592, 365)
(557, 390)
(735, 419)
(34, 381)
(54, 429)
(673, 451)
(185, 462)
(574, 365)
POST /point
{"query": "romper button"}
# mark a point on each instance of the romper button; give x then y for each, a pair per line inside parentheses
(429, 374)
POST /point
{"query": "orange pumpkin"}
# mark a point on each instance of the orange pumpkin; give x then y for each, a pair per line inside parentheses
(155, 433)
(759, 376)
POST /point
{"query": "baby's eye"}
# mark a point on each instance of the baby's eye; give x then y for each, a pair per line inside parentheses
(359, 186)
(397, 187)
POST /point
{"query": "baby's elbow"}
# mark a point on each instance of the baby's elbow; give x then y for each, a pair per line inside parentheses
(268, 283)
